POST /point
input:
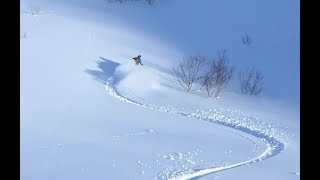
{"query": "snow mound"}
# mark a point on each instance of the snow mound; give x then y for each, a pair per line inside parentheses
(139, 79)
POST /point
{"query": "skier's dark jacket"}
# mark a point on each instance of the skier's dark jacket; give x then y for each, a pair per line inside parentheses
(137, 60)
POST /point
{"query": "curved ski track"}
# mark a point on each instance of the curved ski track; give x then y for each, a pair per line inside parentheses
(225, 118)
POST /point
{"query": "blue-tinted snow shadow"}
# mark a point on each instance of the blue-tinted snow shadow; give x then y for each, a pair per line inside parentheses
(106, 69)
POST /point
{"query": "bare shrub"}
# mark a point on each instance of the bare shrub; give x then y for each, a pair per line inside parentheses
(188, 70)
(218, 75)
(25, 35)
(150, 2)
(251, 81)
(246, 39)
(207, 82)
(35, 11)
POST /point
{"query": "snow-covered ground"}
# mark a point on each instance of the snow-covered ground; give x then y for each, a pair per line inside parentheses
(88, 113)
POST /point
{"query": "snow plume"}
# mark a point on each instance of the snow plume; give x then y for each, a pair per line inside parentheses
(139, 79)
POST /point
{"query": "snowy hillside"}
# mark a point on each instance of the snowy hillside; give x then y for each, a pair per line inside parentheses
(87, 112)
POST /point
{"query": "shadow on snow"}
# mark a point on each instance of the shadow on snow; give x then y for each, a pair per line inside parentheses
(106, 69)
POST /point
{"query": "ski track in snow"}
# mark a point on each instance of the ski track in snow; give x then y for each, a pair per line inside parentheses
(137, 134)
(229, 118)
(141, 133)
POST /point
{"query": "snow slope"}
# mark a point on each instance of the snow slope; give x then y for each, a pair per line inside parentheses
(88, 113)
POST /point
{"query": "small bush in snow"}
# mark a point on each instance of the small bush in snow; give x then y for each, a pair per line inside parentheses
(33, 11)
(246, 40)
(218, 75)
(187, 71)
(251, 81)
(25, 35)
(150, 2)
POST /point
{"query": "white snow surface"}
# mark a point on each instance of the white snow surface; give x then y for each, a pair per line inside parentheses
(87, 112)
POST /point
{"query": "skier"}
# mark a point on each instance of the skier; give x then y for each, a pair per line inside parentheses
(137, 60)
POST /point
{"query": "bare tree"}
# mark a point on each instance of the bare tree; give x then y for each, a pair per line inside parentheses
(218, 75)
(207, 82)
(246, 40)
(251, 81)
(188, 70)
(222, 72)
